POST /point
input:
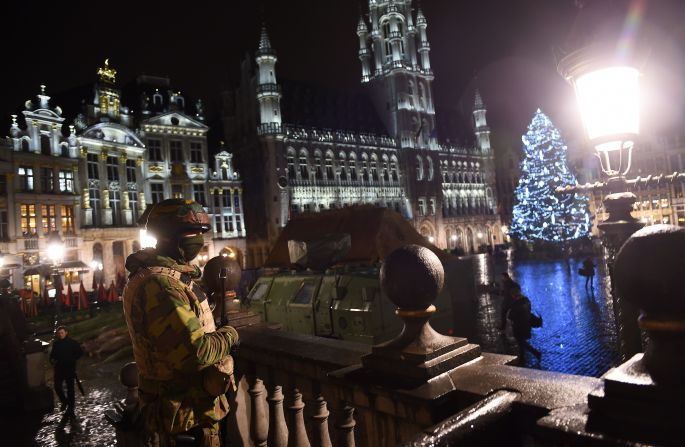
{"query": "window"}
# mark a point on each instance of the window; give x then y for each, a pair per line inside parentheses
(199, 194)
(430, 168)
(47, 179)
(422, 207)
(66, 181)
(4, 223)
(175, 151)
(217, 224)
(305, 294)
(238, 224)
(94, 194)
(353, 169)
(131, 171)
(419, 168)
(318, 172)
(25, 178)
(28, 219)
(115, 204)
(304, 170)
(195, 152)
(177, 191)
(154, 150)
(48, 218)
(259, 292)
(374, 169)
(228, 224)
(217, 198)
(236, 203)
(67, 214)
(432, 206)
(112, 169)
(226, 198)
(133, 204)
(92, 165)
(290, 160)
(329, 167)
(156, 192)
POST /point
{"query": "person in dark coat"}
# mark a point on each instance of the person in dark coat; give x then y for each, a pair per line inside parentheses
(506, 286)
(519, 314)
(589, 272)
(65, 352)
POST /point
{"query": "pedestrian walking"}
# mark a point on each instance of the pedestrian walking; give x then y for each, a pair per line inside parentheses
(519, 314)
(588, 271)
(506, 286)
(65, 352)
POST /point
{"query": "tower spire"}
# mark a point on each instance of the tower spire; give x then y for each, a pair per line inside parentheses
(268, 91)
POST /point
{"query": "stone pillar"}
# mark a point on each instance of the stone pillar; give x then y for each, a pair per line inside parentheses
(141, 202)
(106, 210)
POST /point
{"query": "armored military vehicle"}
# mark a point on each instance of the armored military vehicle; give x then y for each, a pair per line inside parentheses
(322, 277)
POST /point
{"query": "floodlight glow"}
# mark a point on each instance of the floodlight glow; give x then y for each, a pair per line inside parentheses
(147, 240)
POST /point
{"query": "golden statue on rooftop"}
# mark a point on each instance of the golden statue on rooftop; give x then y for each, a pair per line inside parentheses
(107, 74)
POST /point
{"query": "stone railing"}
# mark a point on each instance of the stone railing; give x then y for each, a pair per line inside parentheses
(425, 388)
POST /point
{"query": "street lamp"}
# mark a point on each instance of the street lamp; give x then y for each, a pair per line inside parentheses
(606, 84)
(146, 239)
(55, 252)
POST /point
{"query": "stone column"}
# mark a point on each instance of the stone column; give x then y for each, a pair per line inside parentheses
(106, 210)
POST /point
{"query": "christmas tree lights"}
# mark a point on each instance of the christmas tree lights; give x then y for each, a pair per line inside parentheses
(539, 214)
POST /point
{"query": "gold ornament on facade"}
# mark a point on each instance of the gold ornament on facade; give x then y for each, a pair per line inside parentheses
(125, 201)
(220, 190)
(123, 157)
(141, 201)
(86, 199)
(84, 152)
(197, 169)
(139, 161)
(103, 155)
(155, 168)
(106, 73)
(105, 198)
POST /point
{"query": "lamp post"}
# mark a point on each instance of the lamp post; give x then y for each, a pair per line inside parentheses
(606, 84)
(55, 252)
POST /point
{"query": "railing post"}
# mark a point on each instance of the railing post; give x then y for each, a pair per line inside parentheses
(259, 426)
(298, 434)
(346, 428)
(321, 437)
(278, 430)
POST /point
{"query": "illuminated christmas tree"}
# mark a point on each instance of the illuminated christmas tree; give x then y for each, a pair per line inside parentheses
(539, 214)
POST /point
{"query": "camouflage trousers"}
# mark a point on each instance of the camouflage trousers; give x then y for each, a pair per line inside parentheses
(198, 436)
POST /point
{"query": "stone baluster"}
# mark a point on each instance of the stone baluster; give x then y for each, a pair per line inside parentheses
(278, 430)
(346, 428)
(298, 434)
(259, 425)
(321, 437)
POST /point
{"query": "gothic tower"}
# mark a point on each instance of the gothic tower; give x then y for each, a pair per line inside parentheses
(481, 127)
(396, 68)
(268, 92)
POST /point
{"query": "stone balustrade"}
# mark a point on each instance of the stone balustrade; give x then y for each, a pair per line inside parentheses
(425, 388)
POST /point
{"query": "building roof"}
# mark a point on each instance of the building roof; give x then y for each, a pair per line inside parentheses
(311, 105)
(374, 232)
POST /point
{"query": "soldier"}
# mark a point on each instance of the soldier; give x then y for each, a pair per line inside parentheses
(176, 346)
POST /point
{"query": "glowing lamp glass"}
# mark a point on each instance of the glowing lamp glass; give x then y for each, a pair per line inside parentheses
(609, 101)
(55, 251)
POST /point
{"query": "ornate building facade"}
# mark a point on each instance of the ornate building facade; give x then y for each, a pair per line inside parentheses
(91, 185)
(306, 149)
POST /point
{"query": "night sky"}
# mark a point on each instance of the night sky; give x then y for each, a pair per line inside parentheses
(510, 44)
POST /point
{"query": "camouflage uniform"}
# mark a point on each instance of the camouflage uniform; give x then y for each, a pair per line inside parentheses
(174, 340)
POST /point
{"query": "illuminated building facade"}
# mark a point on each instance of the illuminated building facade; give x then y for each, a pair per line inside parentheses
(92, 185)
(304, 148)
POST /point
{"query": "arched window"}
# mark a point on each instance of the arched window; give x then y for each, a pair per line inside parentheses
(342, 164)
(393, 169)
(290, 160)
(410, 93)
(318, 169)
(45, 145)
(330, 175)
(25, 145)
(419, 168)
(374, 167)
(353, 166)
(303, 163)
(422, 95)
(365, 167)
(430, 168)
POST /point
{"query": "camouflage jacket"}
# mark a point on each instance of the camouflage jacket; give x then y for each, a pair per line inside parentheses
(174, 339)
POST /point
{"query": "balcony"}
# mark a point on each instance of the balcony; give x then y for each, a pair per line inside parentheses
(30, 243)
(268, 90)
(269, 129)
(393, 35)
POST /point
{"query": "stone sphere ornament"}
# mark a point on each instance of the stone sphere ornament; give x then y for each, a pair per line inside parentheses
(650, 270)
(128, 375)
(412, 277)
(210, 275)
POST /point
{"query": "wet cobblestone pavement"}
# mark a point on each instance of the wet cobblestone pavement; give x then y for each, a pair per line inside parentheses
(89, 428)
(578, 334)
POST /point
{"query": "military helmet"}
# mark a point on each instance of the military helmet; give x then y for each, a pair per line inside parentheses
(174, 215)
